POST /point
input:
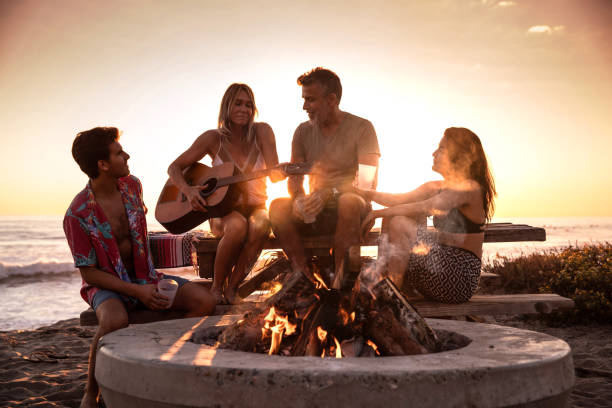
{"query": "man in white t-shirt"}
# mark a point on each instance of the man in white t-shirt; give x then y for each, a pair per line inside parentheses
(335, 142)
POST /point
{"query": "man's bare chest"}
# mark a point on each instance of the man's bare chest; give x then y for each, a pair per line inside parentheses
(117, 218)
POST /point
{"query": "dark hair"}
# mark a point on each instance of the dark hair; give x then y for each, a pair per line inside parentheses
(326, 78)
(468, 157)
(92, 145)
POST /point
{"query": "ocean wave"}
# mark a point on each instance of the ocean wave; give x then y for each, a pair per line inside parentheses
(8, 270)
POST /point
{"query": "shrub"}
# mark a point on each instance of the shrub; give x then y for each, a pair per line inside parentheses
(583, 274)
(586, 278)
(525, 273)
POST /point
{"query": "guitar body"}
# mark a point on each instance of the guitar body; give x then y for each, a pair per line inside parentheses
(174, 212)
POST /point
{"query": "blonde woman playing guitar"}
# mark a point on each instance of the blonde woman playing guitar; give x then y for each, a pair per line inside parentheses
(250, 146)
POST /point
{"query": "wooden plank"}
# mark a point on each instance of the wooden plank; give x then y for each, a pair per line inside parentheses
(266, 274)
(496, 232)
(479, 305)
(495, 305)
(505, 232)
(88, 317)
(489, 279)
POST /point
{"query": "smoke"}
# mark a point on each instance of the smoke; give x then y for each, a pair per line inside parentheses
(389, 252)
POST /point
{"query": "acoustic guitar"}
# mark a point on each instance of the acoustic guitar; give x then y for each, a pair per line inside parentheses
(222, 191)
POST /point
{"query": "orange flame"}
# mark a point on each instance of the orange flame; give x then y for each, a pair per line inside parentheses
(338, 349)
(277, 338)
(274, 288)
(276, 325)
(344, 316)
(321, 333)
(374, 346)
(421, 249)
(320, 284)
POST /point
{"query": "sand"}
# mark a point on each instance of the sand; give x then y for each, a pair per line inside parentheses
(47, 367)
(592, 353)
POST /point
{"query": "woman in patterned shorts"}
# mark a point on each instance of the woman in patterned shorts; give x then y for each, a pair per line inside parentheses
(443, 264)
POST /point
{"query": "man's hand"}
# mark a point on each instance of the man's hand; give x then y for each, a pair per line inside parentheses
(195, 199)
(315, 202)
(151, 298)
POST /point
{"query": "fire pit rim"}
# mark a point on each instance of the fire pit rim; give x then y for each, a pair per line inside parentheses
(165, 328)
(193, 364)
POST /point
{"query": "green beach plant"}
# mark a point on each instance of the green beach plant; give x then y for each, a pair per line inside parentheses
(581, 273)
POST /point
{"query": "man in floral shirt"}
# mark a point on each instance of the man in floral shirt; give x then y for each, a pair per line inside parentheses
(106, 230)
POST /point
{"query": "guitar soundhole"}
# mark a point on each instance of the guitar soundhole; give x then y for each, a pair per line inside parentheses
(209, 187)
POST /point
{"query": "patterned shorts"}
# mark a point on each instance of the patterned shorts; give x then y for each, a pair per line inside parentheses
(442, 273)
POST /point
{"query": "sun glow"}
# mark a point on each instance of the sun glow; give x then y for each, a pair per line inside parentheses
(62, 76)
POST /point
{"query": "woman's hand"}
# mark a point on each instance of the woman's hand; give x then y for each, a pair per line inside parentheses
(195, 198)
(277, 174)
(368, 222)
(367, 195)
(151, 298)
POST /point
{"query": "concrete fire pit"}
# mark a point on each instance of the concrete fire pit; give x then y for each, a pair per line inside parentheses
(156, 365)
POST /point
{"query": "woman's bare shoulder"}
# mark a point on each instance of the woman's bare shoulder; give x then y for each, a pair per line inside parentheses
(210, 134)
(262, 127)
(207, 142)
(263, 132)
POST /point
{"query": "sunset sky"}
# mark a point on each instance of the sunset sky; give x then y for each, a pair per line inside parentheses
(532, 78)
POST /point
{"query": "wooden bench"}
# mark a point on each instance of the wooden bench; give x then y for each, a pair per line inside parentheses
(206, 247)
(479, 305)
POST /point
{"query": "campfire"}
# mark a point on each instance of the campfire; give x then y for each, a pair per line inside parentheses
(343, 318)
(308, 318)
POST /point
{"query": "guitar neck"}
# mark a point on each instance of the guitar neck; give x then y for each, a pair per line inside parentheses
(239, 178)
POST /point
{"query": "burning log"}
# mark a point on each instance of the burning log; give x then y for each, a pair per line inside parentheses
(419, 331)
(306, 318)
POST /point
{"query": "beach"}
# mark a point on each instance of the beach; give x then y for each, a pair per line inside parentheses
(44, 351)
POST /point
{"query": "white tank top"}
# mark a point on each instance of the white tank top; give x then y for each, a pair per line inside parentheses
(256, 188)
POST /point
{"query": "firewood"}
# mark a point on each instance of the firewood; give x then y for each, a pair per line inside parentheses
(387, 293)
(390, 336)
(352, 347)
(245, 336)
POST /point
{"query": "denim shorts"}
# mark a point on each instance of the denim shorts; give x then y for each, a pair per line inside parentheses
(103, 295)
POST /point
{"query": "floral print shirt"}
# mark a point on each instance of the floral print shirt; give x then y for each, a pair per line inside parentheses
(92, 243)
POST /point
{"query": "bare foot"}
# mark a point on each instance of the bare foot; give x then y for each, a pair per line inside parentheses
(232, 297)
(89, 401)
(217, 296)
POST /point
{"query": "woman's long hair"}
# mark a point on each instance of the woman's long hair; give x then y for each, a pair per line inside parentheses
(225, 125)
(468, 158)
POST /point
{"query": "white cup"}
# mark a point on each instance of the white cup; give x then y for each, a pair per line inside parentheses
(308, 219)
(168, 288)
(365, 176)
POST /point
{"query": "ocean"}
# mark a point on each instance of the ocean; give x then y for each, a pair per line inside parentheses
(39, 284)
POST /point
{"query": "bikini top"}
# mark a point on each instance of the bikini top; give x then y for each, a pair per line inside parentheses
(256, 188)
(455, 221)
